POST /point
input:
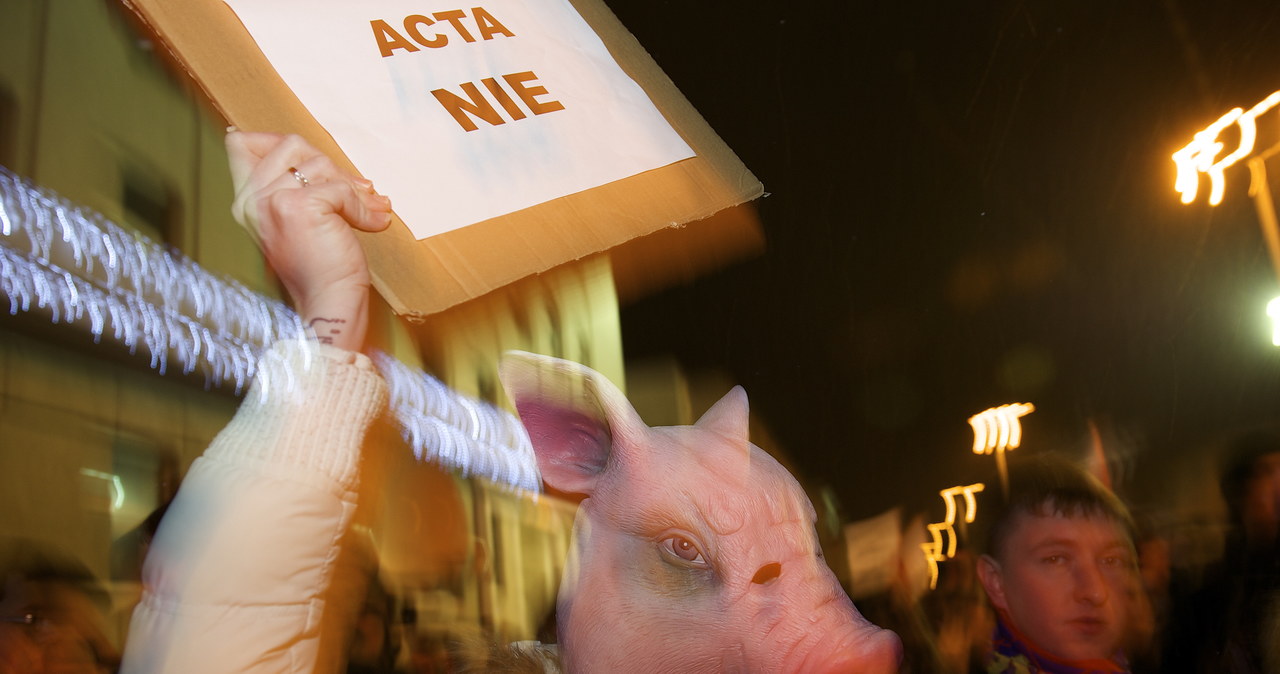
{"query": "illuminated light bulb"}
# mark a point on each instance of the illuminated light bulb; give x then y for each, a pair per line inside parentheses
(112, 480)
(466, 433)
(970, 503)
(998, 428)
(944, 533)
(930, 557)
(945, 530)
(1200, 155)
(933, 553)
(1273, 310)
(138, 294)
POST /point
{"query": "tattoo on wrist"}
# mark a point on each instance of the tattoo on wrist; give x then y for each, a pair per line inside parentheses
(329, 328)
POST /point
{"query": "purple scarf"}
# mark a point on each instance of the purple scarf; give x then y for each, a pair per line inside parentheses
(1013, 653)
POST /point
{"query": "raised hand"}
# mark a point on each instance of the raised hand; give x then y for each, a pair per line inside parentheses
(303, 209)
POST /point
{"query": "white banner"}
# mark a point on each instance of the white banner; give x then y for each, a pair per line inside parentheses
(461, 115)
(873, 546)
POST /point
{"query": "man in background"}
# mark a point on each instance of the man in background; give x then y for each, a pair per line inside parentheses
(52, 613)
(1061, 572)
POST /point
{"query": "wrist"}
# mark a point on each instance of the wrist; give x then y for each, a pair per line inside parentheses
(338, 319)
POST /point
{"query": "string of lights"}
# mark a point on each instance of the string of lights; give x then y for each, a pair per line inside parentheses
(82, 269)
(467, 433)
(126, 318)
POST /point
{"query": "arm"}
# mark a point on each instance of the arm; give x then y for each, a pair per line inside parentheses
(237, 575)
(305, 227)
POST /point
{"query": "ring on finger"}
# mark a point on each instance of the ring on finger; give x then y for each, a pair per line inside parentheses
(302, 179)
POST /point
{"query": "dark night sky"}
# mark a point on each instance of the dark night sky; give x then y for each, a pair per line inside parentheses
(972, 204)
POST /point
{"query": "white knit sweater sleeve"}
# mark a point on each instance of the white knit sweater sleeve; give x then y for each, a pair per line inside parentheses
(236, 576)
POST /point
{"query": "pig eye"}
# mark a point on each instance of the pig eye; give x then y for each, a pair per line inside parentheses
(683, 549)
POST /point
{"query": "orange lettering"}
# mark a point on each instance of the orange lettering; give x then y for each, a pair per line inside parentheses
(388, 39)
(527, 94)
(454, 17)
(411, 24)
(458, 107)
(503, 99)
(488, 25)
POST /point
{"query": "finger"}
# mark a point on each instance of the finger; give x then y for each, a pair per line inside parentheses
(360, 209)
(291, 151)
(315, 170)
(321, 169)
(311, 173)
(367, 212)
(266, 158)
(245, 149)
(288, 212)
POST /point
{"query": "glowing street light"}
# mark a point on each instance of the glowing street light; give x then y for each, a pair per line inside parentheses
(970, 503)
(1273, 311)
(113, 480)
(998, 429)
(933, 554)
(943, 534)
(1201, 154)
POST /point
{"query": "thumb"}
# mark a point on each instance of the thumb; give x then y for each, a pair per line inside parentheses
(241, 156)
(363, 209)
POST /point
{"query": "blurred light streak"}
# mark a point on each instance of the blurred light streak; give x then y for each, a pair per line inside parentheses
(933, 554)
(83, 269)
(970, 503)
(80, 267)
(1260, 192)
(1273, 311)
(117, 486)
(997, 429)
(466, 433)
(943, 533)
(1201, 154)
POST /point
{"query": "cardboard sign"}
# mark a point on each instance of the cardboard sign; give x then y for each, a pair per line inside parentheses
(424, 277)
(461, 115)
(873, 547)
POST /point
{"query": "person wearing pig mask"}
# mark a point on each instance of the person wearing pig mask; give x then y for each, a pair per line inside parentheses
(694, 550)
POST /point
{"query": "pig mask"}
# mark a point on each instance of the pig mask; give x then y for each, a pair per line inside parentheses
(694, 550)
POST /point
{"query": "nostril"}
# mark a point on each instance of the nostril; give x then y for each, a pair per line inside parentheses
(767, 573)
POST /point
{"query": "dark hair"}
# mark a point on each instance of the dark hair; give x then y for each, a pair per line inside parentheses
(40, 563)
(1047, 484)
(1239, 465)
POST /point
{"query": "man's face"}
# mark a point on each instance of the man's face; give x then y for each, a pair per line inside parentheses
(1262, 500)
(48, 628)
(1067, 583)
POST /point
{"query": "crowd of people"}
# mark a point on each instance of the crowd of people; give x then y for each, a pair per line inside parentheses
(240, 574)
(1065, 580)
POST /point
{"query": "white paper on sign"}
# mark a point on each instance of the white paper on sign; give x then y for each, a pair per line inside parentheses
(552, 113)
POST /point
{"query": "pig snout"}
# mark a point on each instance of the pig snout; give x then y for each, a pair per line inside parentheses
(816, 628)
(870, 650)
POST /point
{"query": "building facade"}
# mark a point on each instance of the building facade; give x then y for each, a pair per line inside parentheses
(96, 439)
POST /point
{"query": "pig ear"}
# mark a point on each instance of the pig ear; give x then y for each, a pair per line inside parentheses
(729, 417)
(573, 415)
